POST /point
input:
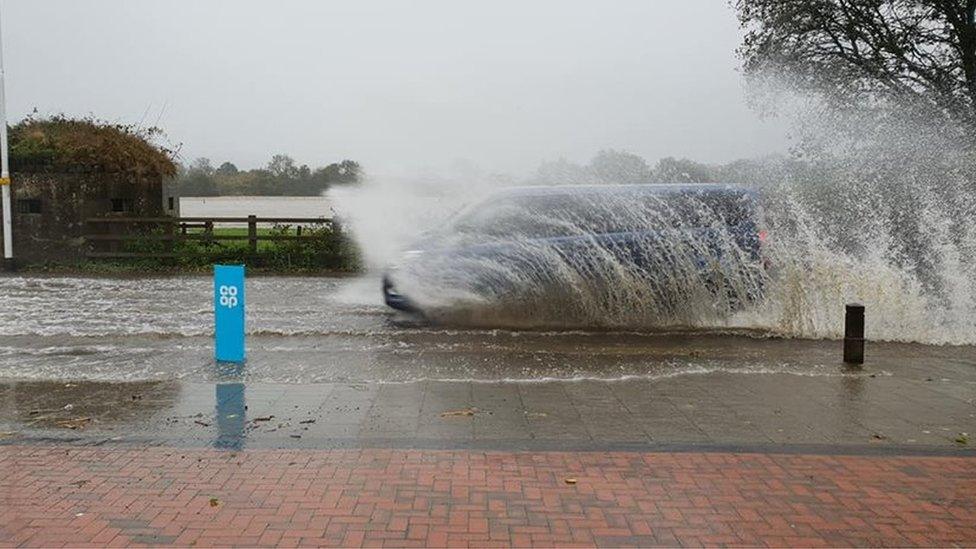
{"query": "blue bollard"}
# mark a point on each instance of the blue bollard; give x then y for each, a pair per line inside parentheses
(229, 313)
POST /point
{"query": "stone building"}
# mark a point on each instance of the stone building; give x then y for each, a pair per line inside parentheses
(66, 171)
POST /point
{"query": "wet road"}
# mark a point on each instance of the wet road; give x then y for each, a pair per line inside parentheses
(131, 360)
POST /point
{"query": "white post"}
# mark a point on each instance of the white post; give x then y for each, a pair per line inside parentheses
(8, 236)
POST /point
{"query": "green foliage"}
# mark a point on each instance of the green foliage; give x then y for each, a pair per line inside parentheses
(60, 143)
(326, 248)
(281, 177)
(196, 182)
(323, 248)
(227, 168)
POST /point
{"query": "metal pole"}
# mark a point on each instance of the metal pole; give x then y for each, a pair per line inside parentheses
(854, 333)
(8, 236)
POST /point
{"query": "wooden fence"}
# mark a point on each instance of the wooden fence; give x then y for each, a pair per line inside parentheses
(113, 232)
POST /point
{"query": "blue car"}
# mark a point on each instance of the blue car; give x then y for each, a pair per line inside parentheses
(668, 238)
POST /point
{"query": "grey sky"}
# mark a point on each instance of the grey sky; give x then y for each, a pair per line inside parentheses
(395, 84)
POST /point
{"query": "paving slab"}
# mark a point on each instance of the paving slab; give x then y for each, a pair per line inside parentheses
(850, 409)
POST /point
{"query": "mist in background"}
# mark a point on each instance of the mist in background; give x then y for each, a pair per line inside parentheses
(400, 87)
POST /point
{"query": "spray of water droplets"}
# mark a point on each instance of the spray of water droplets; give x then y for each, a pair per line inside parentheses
(884, 215)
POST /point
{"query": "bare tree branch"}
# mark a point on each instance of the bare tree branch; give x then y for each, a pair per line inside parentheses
(917, 52)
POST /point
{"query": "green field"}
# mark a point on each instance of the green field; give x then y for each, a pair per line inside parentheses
(263, 245)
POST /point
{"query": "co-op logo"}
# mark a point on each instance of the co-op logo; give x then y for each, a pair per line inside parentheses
(228, 296)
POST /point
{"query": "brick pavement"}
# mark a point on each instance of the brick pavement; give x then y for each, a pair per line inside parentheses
(76, 496)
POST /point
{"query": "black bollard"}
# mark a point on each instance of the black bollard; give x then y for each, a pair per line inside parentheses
(854, 333)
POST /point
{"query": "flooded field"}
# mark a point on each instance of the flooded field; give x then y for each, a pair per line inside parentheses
(261, 206)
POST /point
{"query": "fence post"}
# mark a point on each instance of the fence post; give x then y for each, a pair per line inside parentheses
(252, 233)
(170, 241)
(854, 333)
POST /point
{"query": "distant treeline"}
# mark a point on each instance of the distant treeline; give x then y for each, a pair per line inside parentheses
(281, 177)
(612, 166)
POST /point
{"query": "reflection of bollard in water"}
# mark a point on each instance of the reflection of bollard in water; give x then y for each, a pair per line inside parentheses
(231, 412)
(854, 333)
(229, 313)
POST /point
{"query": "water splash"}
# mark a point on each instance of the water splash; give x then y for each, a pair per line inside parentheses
(579, 256)
(891, 225)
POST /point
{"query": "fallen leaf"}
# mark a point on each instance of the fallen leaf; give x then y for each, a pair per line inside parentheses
(465, 412)
(214, 502)
(35, 412)
(570, 480)
(76, 423)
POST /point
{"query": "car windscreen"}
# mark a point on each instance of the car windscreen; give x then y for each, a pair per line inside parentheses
(555, 215)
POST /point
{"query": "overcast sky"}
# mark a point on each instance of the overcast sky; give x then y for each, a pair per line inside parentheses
(396, 85)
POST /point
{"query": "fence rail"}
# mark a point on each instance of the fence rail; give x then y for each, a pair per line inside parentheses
(178, 220)
(114, 231)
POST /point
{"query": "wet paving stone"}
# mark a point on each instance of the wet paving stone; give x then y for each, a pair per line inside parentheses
(723, 408)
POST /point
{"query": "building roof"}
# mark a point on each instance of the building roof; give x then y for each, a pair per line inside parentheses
(64, 144)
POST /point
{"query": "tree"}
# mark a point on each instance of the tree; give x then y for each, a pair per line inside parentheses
(347, 171)
(675, 170)
(202, 165)
(197, 179)
(227, 168)
(562, 172)
(918, 55)
(282, 165)
(281, 177)
(610, 166)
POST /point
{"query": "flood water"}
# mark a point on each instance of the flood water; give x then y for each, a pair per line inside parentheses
(328, 330)
(261, 206)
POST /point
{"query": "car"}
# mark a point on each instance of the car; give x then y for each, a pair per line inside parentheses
(671, 240)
